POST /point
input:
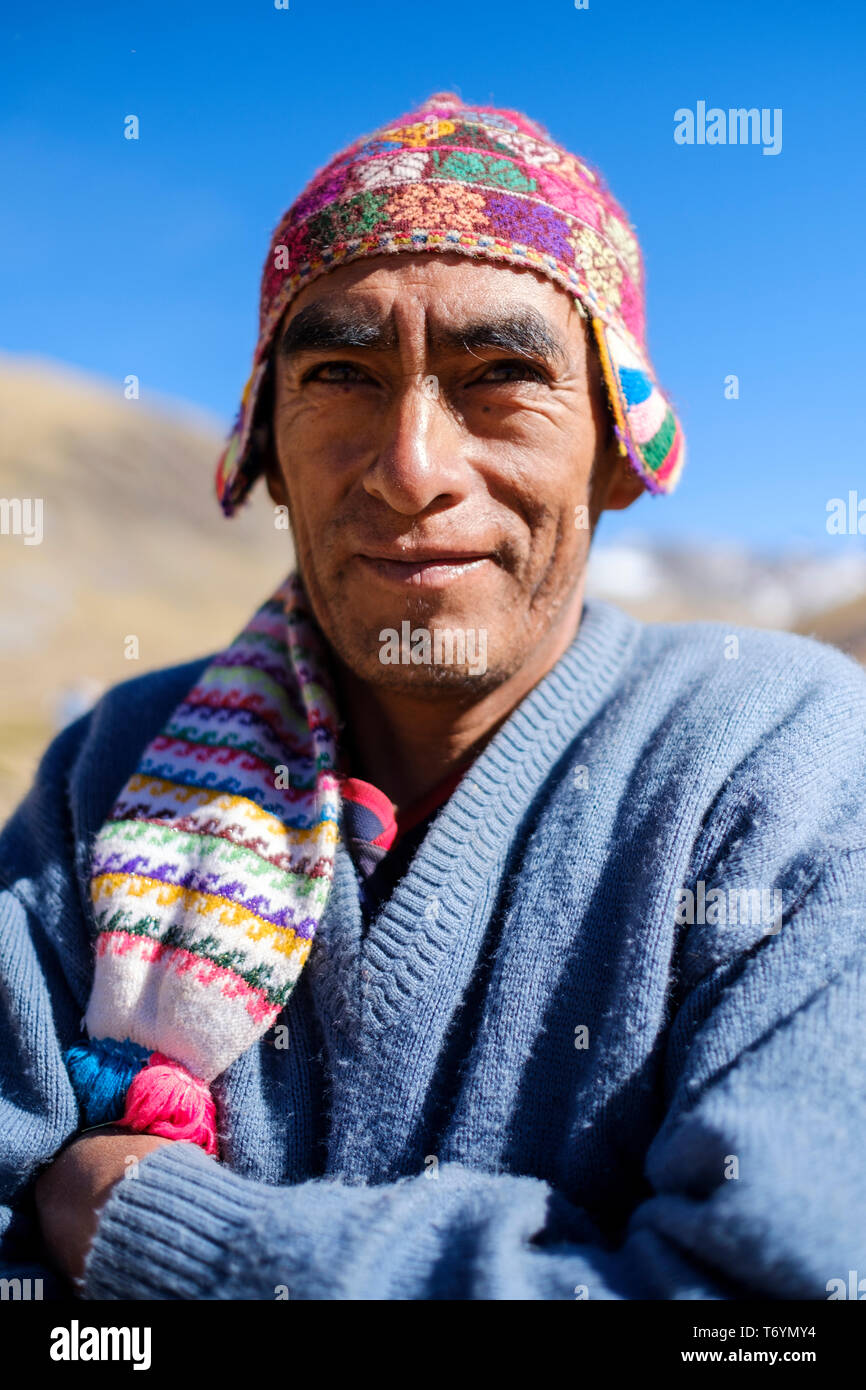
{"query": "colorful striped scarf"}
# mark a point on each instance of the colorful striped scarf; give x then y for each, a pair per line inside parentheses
(210, 877)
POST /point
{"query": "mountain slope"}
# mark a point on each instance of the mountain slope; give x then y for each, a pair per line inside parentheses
(134, 546)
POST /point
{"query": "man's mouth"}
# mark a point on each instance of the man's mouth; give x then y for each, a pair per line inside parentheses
(430, 569)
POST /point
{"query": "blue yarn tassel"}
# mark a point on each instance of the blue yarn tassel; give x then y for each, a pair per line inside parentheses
(101, 1071)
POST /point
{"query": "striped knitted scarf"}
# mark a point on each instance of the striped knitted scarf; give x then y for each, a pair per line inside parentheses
(210, 877)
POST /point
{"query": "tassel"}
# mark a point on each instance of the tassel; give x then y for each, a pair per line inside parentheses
(101, 1071)
(165, 1098)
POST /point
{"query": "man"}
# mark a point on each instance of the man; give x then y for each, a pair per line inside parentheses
(582, 1003)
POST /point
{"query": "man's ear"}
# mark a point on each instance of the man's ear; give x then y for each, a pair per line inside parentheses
(263, 442)
(613, 483)
(273, 474)
(624, 485)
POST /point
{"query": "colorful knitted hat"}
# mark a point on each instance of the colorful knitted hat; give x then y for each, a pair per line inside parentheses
(486, 183)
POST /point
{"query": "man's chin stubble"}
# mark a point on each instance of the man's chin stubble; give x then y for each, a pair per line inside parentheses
(430, 684)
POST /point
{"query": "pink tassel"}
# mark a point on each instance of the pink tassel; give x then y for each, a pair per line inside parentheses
(165, 1098)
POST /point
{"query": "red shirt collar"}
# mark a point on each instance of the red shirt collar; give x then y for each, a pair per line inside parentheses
(372, 799)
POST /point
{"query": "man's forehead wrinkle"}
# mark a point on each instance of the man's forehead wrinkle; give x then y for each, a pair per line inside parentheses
(338, 321)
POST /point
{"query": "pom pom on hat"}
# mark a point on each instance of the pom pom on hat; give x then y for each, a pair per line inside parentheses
(101, 1071)
(165, 1098)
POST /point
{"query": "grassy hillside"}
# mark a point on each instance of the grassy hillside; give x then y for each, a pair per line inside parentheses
(844, 626)
(134, 544)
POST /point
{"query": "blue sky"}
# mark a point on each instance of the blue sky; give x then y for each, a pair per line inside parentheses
(143, 257)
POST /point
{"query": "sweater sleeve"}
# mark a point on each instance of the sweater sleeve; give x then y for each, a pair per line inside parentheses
(44, 966)
(756, 1173)
(46, 947)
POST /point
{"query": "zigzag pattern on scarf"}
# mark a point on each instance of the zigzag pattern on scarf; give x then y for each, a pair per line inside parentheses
(209, 878)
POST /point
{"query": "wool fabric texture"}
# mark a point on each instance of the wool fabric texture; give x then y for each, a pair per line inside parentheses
(210, 876)
(491, 184)
(102, 1071)
(527, 1078)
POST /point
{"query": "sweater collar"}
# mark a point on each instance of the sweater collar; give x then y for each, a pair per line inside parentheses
(434, 921)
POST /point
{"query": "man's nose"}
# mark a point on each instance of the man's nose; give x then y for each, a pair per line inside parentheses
(420, 458)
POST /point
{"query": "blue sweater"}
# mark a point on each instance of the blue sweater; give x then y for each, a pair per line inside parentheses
(565, 1061)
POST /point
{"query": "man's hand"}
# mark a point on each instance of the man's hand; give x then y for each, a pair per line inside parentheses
(71, 1193)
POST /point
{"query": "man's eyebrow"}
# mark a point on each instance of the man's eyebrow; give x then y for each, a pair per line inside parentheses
(523, 331)
(321, 327)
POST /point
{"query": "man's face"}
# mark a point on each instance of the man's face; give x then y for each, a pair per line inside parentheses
(435, 425)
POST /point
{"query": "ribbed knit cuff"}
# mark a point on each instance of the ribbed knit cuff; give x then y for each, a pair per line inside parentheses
(189, 1228)
(170, 1232)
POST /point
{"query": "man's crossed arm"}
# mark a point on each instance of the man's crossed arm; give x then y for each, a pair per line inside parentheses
(757, 1173)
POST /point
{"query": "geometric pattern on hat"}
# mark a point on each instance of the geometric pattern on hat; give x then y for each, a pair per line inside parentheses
(491, 184)
(644, 421)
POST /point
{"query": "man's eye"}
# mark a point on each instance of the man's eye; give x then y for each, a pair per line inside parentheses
(340, 372)
(524, 369)
(338, 367)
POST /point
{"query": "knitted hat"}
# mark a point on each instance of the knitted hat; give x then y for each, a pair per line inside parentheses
(490, 184)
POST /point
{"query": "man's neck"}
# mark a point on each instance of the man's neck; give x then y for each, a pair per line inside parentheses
(406, 745)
